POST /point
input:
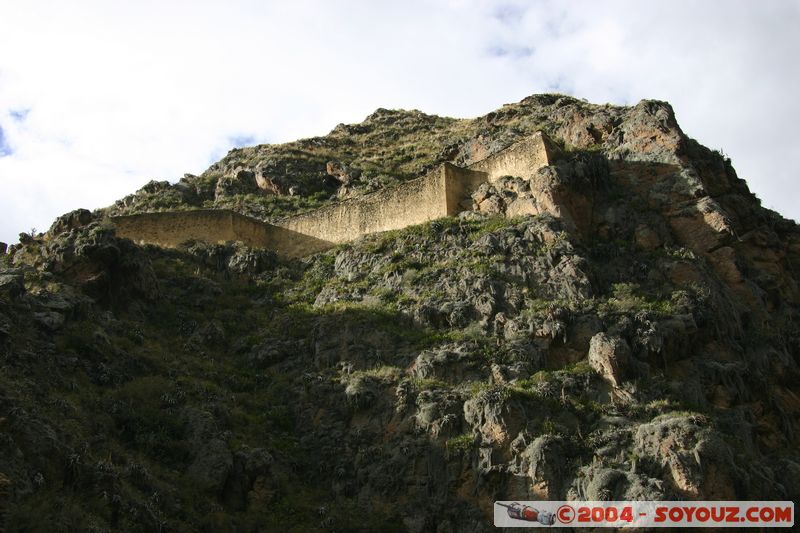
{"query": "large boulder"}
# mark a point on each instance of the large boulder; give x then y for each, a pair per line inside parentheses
(610, 357)
(688, 453)
(545, 462)
(11, 283)
(72, 220)
(599, 482)
(342, 172)
(240, 181)
(453, 363)
(649, 133)
(92, 258)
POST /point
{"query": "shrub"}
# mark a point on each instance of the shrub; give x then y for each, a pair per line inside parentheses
(461, 443)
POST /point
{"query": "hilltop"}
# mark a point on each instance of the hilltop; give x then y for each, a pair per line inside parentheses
(389, 147)
(634, 335)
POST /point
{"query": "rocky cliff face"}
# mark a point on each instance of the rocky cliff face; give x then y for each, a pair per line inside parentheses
(623, 325)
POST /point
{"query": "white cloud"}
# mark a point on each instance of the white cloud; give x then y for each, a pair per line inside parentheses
(122, 92)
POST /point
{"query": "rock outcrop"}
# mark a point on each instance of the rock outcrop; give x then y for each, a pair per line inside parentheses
(620, 324)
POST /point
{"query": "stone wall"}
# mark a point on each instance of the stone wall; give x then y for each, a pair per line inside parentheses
(173, 228)
(442, 192)
(437, 194)
(413, 202)
(459, 184)
(522, 159)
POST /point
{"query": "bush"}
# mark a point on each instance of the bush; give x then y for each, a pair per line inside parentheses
(461, 444)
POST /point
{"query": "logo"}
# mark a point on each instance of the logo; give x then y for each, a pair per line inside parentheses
(644, 514)
(517, 511)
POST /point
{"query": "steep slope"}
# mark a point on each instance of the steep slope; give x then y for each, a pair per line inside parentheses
(636, 339)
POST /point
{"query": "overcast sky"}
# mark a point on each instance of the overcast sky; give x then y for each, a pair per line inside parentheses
(99, 97)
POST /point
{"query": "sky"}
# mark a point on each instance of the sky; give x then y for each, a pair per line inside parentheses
(99, 97)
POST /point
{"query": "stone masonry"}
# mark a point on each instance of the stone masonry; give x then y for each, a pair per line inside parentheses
(439, 193)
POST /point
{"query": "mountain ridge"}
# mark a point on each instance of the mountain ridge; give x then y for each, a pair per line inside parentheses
(632, 336)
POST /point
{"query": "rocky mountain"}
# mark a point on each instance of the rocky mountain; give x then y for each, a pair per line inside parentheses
(638, 339)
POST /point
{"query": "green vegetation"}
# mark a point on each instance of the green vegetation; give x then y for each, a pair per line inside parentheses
(460, 444)
(626, 298)
(214, 388)
(384, 373)
(429, 384)
(269, 207)
(144, 418)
